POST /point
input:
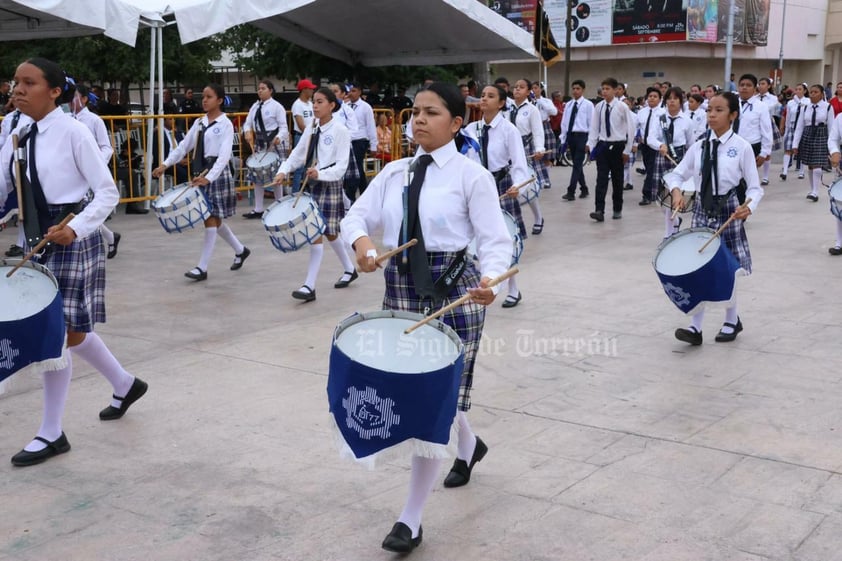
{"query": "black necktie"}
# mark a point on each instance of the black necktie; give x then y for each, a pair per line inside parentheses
(198, 163)
(710, 176)
(572, 118)
(15, 119)
(513, 115)
(484, 145)
(671, 130)
(646, 128)
(258, 119)
(312, 148)
(36, 215)
(813, 123)
(797, 114)
(354, 105)
(421, 277)
(607, 121)
(692, 113)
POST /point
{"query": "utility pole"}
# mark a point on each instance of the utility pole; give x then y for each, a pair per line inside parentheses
(568, 36)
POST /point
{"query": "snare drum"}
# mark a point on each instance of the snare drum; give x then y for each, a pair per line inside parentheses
(263, 166)
(386, 387)
(529, 193)
(517, 241)
(688, 191)
(690, 278)
(32, 327)
(835, 194)
(184, 206)
(290, 228)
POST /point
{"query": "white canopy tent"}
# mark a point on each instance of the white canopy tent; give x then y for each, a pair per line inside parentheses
(33, 19)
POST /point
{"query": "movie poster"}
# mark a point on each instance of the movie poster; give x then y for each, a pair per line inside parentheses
(590, 23)
(701, 20)
(649, 21)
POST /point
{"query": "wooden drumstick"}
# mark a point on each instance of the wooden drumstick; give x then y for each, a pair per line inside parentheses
(392, 252)
(40, 245)
(204, 172)
(517, 187)
(668, 157)
(460, 301)
(303, 185)
(722, 228)
(18, 187)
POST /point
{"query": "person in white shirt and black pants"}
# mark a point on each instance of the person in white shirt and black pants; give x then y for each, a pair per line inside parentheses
(575, 126)
(365, 139)
(754, 123)
(610, 142)
(647, 123)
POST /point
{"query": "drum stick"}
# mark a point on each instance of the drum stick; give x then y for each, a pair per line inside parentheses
(303, 185)
(722, 228)
(204, 172)
(392, 252)
(517, 187)
(511, 272)
(40, 245)
(17, 177)
(668, 157)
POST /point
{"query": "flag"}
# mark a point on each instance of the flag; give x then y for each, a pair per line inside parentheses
(545, 44)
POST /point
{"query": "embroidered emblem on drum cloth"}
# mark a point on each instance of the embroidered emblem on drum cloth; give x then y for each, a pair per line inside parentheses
(678, 295)
(7, 354)
(328, 140)
(368, 414)
(732, 152)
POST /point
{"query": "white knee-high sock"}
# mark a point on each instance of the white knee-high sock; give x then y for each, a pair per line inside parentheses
(536, 211)
(317, 251)
(421, 480)
(697, 320)
(513, 289)
(207, 249)
(627, 173)
(731, 317)
(258, 198)
(93, 350)
(785, 167)
(467, 438)
(226, 234)
(56, 388)
(107, 234)
(765, 174)
(839, 233)
(815, 181)
(338, 246)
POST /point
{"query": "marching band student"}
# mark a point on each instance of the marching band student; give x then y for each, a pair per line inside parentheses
(575, 125)
(729, 160)
(670, 138)
(323, 151)
(794, 113)
(810, 142)
(447, 189)
(647, 121)
(212, 136)
(611, 138)
(754, 123)
(64, 164)
(771, 101)
(629, 165)
(265, 129)
(696, 114)
(95, 124)
(502, 153)
(527, 119)
(546, 109)
(834, 140)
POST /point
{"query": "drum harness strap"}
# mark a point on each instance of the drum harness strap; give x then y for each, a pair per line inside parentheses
(669, 135)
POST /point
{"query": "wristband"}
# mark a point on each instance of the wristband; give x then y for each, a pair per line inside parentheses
(371, 253)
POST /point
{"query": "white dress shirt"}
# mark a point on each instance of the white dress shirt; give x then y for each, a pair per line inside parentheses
(366, 127)
(6, 125)
(69, 165)
(528, 121)
(332, 153)
(643, 116)
(583, 117)
(96, 125)
(794, 113)
(735, 161)
(834, 135)
(348, 118)
(699, 119)
(771, 101)
(303, 109)
(824, 115)
(623, 125)
(546, 108)
(756, 124)
(274, 117)
(457, 204)
(682, 131)
(219, 142)
(505, 147)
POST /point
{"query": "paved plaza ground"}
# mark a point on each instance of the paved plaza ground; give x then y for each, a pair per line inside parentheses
(608, 439)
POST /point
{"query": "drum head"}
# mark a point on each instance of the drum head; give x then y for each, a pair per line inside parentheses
(282, 212)
(31, 289)
(167, 197)
(377, 340)
(680, 255)
(511, 224)
(835, 190)
(262, 159)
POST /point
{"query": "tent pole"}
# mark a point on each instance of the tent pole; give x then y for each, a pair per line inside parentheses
(159, 29)
(149, 132)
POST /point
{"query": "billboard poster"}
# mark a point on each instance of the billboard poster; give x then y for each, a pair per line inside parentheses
(649, 21)
(590, 22)
(519, 12)
(701, 20)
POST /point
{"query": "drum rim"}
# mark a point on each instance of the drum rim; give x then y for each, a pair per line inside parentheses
(12, 262)
(359, 317)
(185, 184)
(295, 221)
(674, 237)
(262, 154)
(838, 182)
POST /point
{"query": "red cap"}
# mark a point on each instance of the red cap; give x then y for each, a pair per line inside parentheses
(306, 84)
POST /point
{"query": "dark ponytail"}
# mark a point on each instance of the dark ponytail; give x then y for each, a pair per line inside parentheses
(56, 78)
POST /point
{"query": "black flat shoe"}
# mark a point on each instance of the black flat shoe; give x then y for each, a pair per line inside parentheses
(343, 283)
(400, 539)
(460, 473)
(112, 247)
(689, 336)
(538, 228)
(59, 446)
(135, 392)
(835, 250)
(728, 337)
(239, 259)
(196, 276)
(253, 215)
(644, 202)
(511, 301)
(306, 296)
(568, 197)
(813, 198)
(14, 251)
(598, 216)
(583, 194)
(616, 215)
(628, 187)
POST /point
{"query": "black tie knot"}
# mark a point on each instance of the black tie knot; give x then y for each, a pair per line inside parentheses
(425, 160)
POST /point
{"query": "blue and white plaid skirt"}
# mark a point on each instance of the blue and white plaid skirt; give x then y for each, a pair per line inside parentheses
(512, 206)
(466, 320)
(662, 166)
(352, 173)
(328, 197)
(734, 235)
(550, 141)
(777, 140)
(222, 198)
(537, 166)
(813, 146)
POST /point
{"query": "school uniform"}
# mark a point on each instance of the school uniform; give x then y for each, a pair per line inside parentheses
(699, 120)
(755, 125)
(348, 118)
(612, 135)
(10, 122)
(364, 139)
(811, 134)
(676, 132)
(547, 109)
(527, 119)
(773, 105)
(834, 140)
(96, 125)
(575, 126)
(268, 121)
(647, 122)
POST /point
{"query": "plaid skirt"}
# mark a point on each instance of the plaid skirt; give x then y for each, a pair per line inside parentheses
(813, 146)
(789, 136)
(79, 269)
(662, 166)
(550, 141)
(512, 206)
(539, 167)
(777, 141)
(734, 235)
(328, 197)
(222, 198)
(466, 320)
(353, 172)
